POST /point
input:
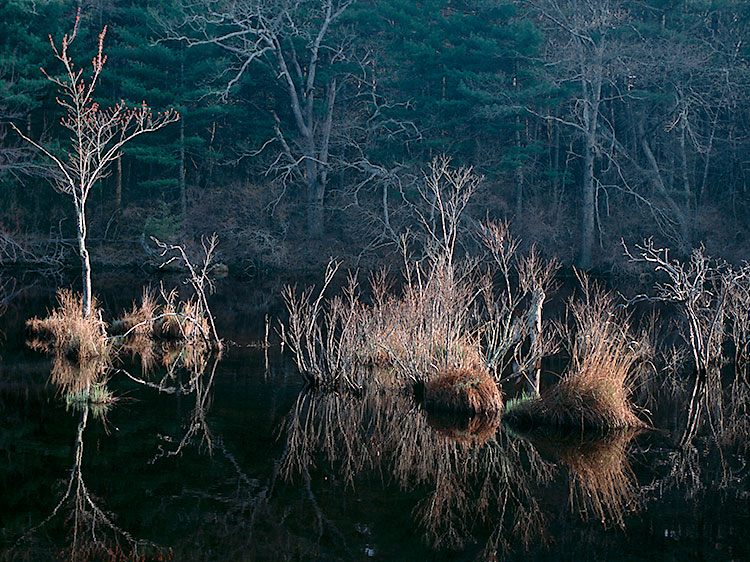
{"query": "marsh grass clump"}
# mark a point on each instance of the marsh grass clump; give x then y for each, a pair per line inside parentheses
(428, 326)
(181, 320)
(463, 390)
(137, 322)
(67, 332)
(595, 391)
(163, 330)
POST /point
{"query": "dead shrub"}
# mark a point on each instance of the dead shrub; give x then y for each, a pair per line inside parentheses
(463, 390)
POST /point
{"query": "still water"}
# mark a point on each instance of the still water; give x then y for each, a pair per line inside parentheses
(243, 464)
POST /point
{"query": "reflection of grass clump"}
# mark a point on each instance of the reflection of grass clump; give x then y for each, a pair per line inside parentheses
(463, 390)
(67, 332)
(468, 429)
(602, 480)
(77, 376)
(594, 392)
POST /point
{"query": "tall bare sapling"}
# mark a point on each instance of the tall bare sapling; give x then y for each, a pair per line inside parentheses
(97, 136)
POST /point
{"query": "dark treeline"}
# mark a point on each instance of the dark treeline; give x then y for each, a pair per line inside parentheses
(307, 124)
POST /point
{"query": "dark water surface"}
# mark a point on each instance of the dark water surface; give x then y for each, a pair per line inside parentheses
(245, 466)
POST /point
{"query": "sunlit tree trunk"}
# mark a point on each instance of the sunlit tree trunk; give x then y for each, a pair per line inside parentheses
(83, 252)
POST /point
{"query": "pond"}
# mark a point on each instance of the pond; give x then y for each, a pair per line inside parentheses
(241, 462)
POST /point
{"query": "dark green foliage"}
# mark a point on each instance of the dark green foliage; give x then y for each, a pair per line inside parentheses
(491, 83)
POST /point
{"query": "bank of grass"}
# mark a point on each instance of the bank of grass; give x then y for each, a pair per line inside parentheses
(594, 392)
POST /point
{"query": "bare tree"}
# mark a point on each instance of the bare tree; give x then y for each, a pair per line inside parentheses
(199, 277)
(292, 39)
(445, 193)
(97, 136)
(580, 51)
(701, 288)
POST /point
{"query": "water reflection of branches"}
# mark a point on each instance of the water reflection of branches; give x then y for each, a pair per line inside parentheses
(94, 533)
(477, 476)
(197, 424)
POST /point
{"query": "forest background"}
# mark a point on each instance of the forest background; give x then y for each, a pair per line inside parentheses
(307, 125)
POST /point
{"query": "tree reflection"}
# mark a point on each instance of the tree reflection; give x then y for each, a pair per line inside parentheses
(93, 532)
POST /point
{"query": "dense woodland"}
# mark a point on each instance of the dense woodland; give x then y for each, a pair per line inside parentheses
(306, 126)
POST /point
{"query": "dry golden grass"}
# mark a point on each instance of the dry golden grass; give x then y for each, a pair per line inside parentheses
(463, 390)
(137, 321)
(424, 330)
(166, 319)
(67, 332)
(595, 390)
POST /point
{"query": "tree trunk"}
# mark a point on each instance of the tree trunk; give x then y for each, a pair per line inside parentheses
(587, 231)
(682, 215)
(183, 190)
(535, 335)
(118, 185)
(519, 172)
(85, 263)
(314, 208)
